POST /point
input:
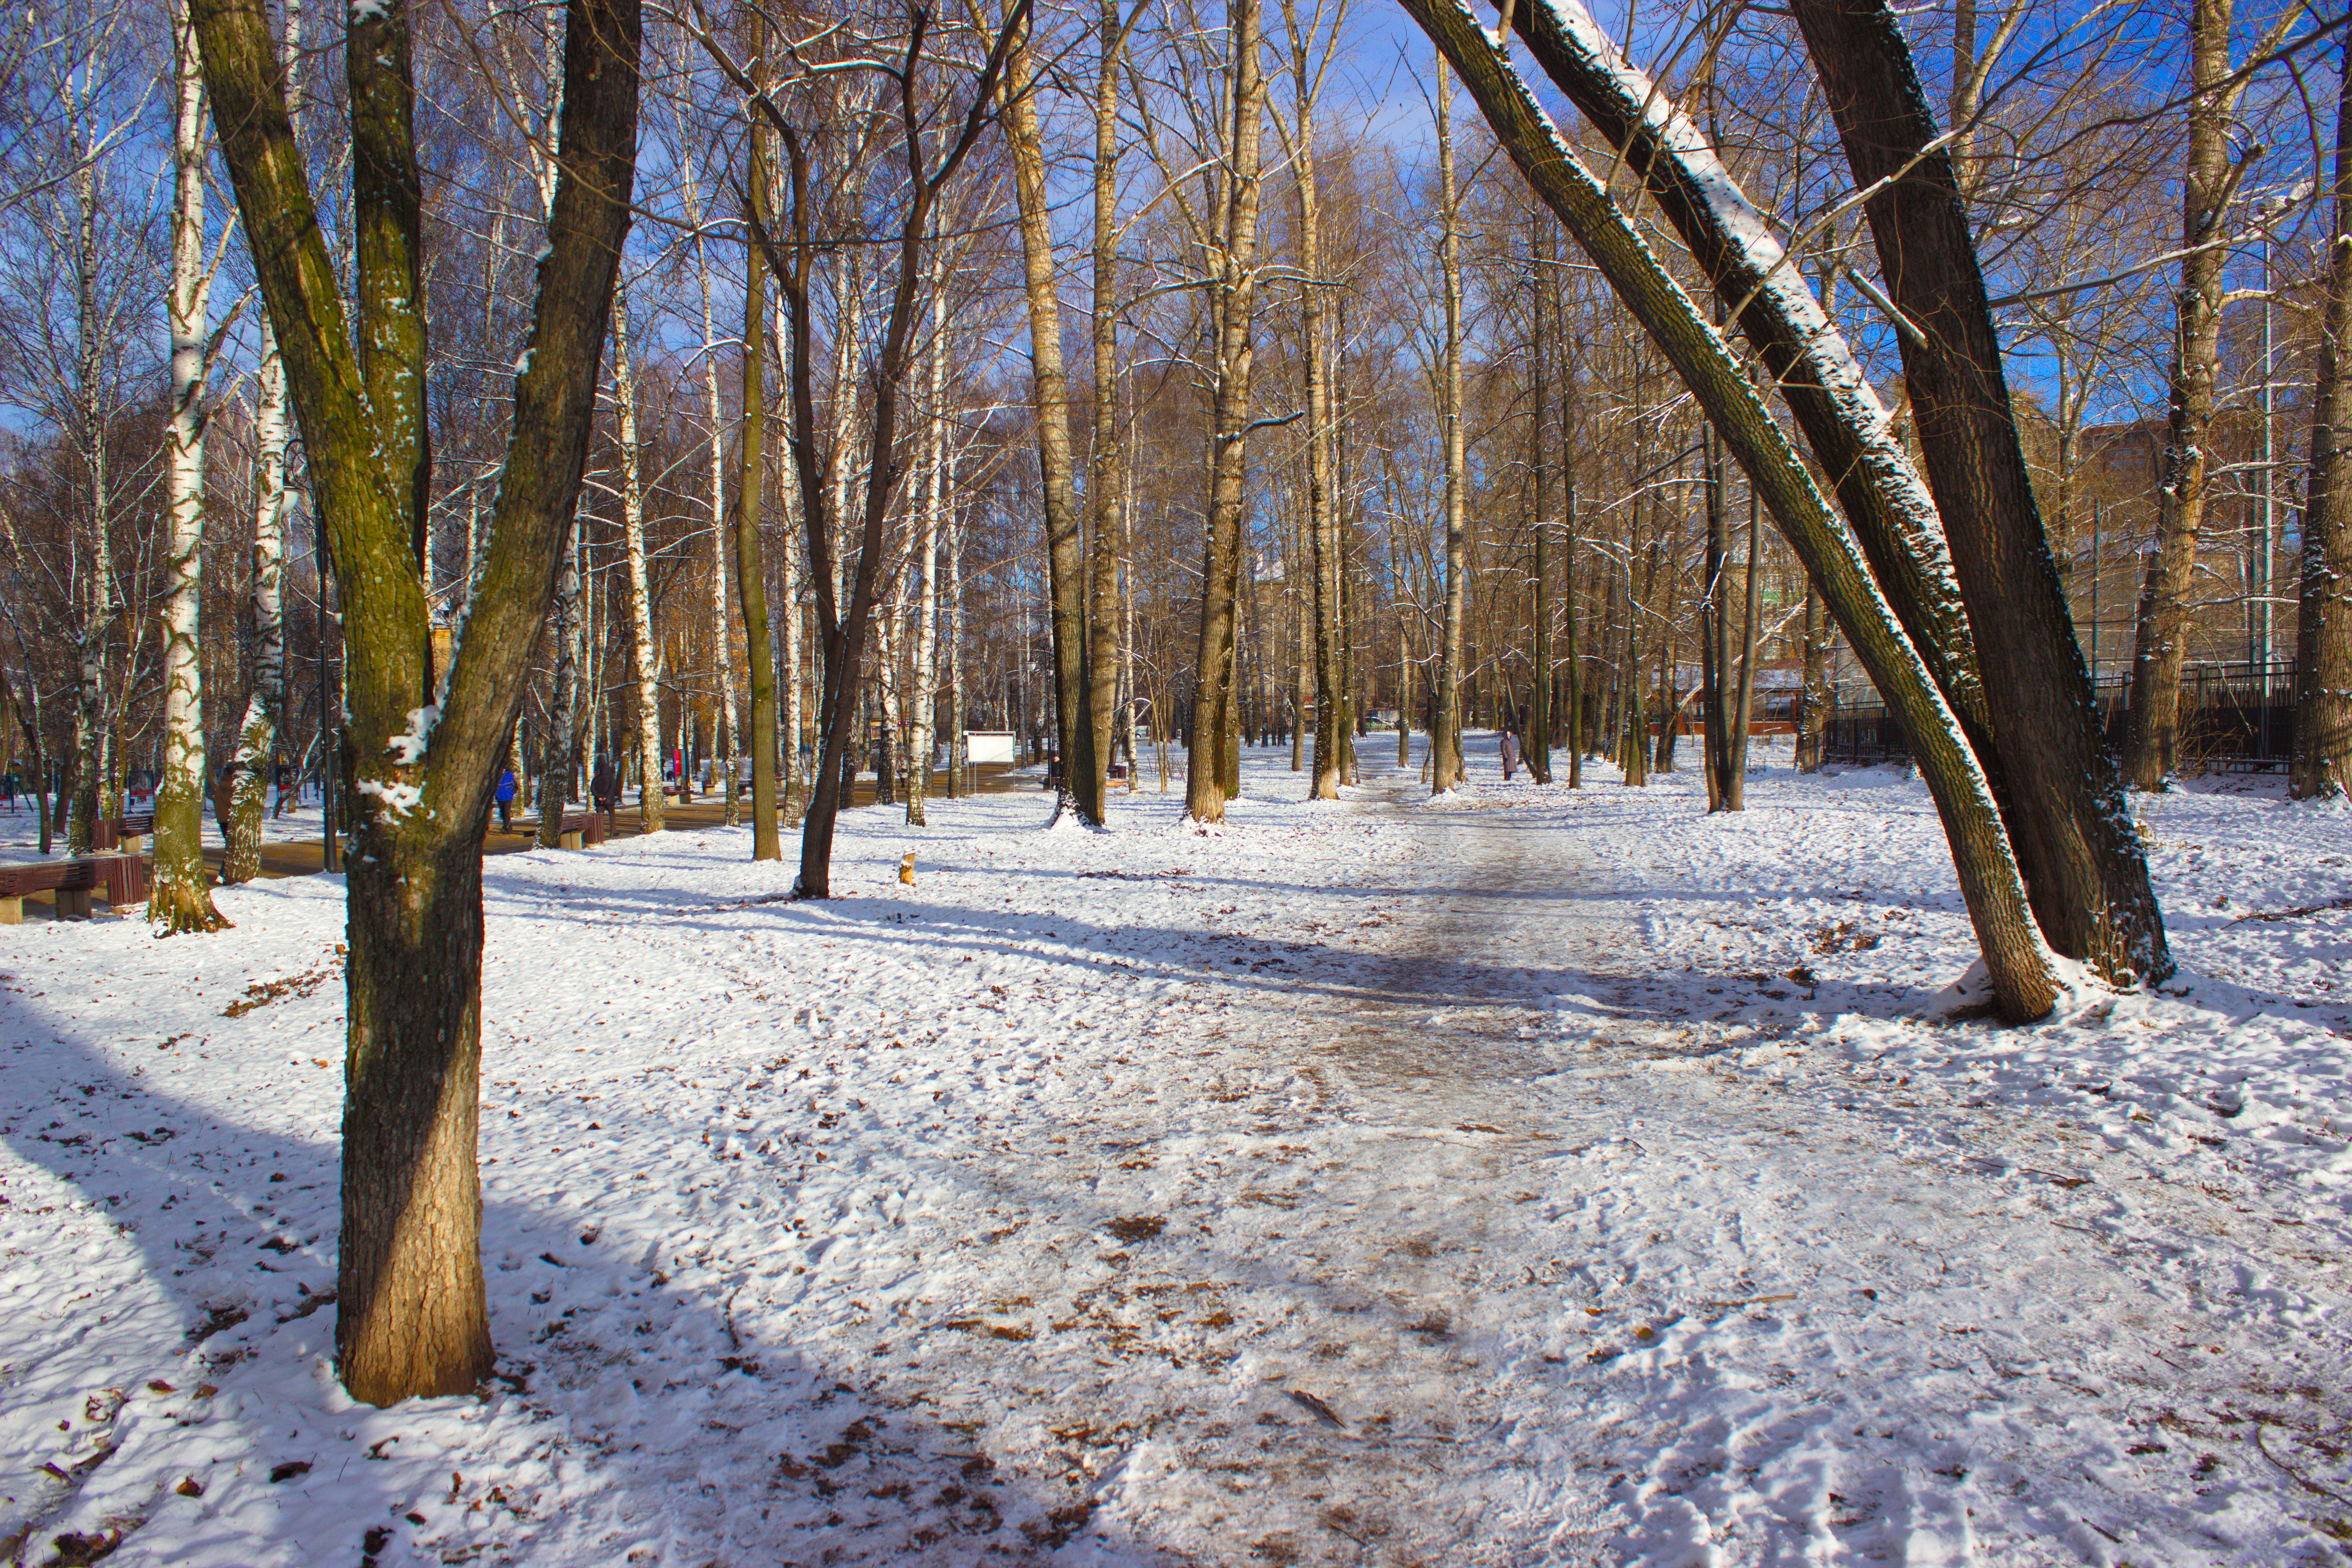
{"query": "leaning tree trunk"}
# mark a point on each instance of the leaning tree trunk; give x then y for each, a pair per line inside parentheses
(411, 1312)
(1445, 739)
(1081, 770)
(2166, 598)
(2020, 967)
(1233, 290)
(652, 803)
(180, 901)
(1845, 425)
(2323, 632)
(2064, 804)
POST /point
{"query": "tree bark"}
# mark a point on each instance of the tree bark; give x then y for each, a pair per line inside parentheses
(652, 803)
(1233, 290)
(1446, 769)
(925, 697)
(180, 901)
(1103, 475)
(2160, 631)
(750, 483)
(1081, 784)
(258, 736)
(411, 1317)
(2322, 764)
(2062, 803)
(1535, 744)
(560, 760)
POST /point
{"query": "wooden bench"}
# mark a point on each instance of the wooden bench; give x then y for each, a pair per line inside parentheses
(127, 835)
(580, 830)
(124, 878)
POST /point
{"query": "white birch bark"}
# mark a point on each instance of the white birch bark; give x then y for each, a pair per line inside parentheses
(180, 900)
(925, 694)
(650, 802)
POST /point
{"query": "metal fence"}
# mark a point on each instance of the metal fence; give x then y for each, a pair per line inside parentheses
(2234, 718)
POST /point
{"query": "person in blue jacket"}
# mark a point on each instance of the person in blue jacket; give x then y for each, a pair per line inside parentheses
(505, 800)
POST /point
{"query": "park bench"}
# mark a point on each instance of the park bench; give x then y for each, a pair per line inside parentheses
(580, 830)
(124, 878)
(127, 835)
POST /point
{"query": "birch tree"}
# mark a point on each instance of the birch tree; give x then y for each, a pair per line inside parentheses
(644, 667)
(180, 901)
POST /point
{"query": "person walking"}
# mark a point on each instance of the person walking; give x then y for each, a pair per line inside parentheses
(605, 789)
(1510, 754)
(505, 800)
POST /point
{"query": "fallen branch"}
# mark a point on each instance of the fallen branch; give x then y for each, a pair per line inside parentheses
(2296, 913)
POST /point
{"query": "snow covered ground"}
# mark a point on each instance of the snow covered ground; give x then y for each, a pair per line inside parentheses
(1531, 1176)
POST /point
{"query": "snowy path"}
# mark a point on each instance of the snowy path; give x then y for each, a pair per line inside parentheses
(1517, 1178)
(1672, 1298)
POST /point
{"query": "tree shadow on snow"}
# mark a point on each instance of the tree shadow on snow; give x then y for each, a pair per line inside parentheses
(632, 1418)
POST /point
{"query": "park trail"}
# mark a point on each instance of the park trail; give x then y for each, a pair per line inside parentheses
(1543, 1272)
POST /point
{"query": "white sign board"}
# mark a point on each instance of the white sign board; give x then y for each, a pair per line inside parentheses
(988, 745)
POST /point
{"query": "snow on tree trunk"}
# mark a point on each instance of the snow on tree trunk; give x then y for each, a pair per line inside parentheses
(2323, 641)
(180, 901)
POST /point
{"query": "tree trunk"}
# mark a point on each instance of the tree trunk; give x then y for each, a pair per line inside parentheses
(1845, 425)
(1811, 713)
(925, 695)
(558, 762)
(411, 1317)
(651, 803)
(2323, 634)
(180, 901)
(1446, 742)
(1103, 479)
(1233, 290)
(2023, 981)
(2167, 600)
(2065, 811)
(255, 767)
(1322, 524)
(750, 483)
(1568, 524)
(1535, 744)
(1081, 781)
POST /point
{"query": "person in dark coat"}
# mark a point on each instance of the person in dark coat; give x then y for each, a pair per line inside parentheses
(1510, 754)
(605, 789)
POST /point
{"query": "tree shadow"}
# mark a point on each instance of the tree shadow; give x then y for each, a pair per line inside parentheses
(635, 1416)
